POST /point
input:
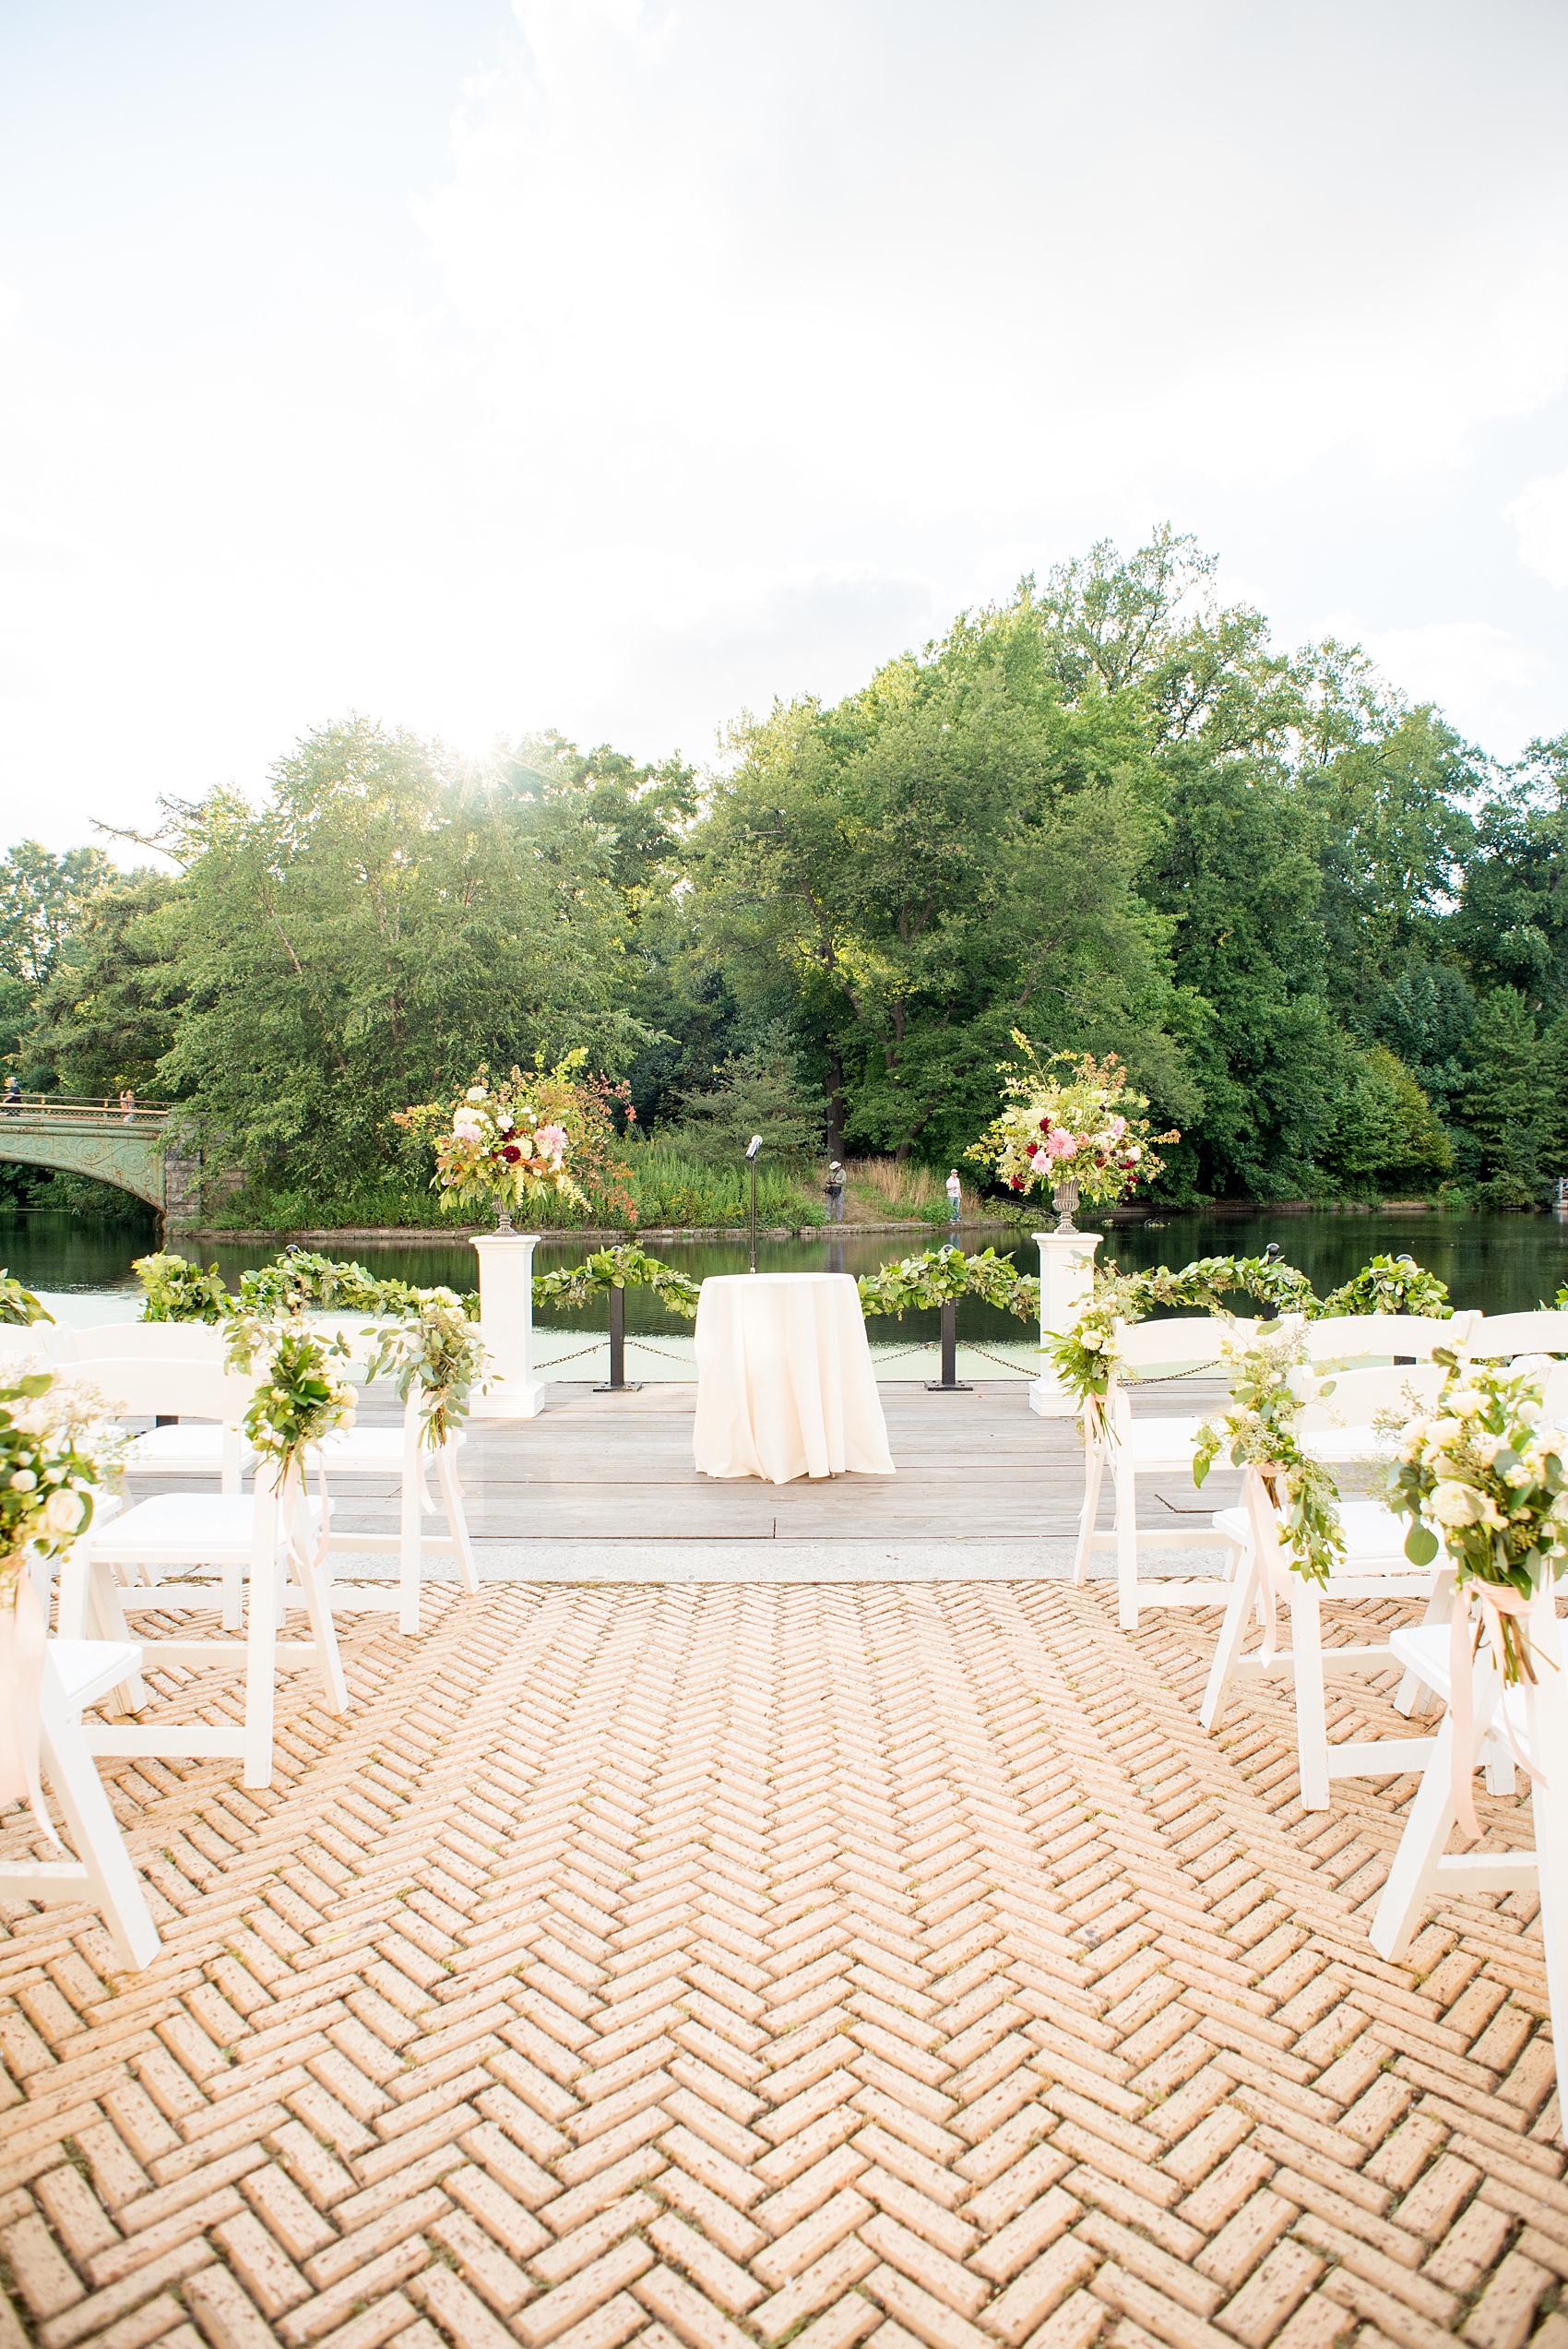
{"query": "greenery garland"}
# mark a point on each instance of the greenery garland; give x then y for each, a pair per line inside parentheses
(917, 1282)
(439, 1347)
(19, 1305)
(1270, 1380)
(299, 1399)
(297, 1282)
(630, 1266)
(1085, 1356)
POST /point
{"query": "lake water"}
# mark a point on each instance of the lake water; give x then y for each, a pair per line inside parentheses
(1503, 1263)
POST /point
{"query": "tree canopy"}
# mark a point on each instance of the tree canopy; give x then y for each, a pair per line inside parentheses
(1329, 936)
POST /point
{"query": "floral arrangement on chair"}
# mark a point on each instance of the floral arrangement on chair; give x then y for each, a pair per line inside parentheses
(300, 1397)
(58, 1449)
(1270, 1380)
(437, 1345)
(1485, 1469)
(1082, 1134)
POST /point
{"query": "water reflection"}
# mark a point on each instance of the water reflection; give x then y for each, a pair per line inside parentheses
(1503, 1263)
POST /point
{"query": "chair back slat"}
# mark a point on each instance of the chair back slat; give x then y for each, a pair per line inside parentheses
(174, 1388)
(1373, 1337)
(149, 1341)
(1360, 1397)
(1186, 1342)
(1496, 1337)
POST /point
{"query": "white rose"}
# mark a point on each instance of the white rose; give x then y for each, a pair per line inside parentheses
(23, 1480)
(1465, 1401)
(1091, 1341)
(1454, 1504)
(475, 1092)
(62, 1512)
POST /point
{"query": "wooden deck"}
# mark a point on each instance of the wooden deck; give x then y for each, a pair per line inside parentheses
(618, 1469)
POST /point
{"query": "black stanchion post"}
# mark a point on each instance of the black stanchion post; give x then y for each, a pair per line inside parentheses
(949, 1383)
(619, 1382)
(752, 1148)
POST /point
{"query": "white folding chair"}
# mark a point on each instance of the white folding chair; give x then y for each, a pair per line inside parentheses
(1494, 1337)
(398, 1451)
(198, 1442)
(1423, 1872)
(1374, 1567)
(1369, 1339)
(122, 1566)
(1132, 1446)
(78, 1672)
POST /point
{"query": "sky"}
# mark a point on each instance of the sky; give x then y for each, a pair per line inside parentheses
(618, 366)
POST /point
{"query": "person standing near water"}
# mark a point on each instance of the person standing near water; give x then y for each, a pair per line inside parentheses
(954, 1196)
(834, 1188)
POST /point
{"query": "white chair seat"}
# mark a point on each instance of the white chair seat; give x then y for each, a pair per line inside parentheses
(77, 1673)
(1425, 1651)
(190, 1447)
(1160, 1443)
(183, 1529)
(1371, 1534)
(88, 1669)
(365, 1449)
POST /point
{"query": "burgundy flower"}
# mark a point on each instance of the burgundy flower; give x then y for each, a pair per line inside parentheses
(1045, 1125)
(511, 1154)
(1017, 1182)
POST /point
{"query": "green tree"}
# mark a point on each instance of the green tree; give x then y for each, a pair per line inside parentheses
(373, 931)
(758, 1091)
(107, 1014)
(1507, 1106)
(1511, 928)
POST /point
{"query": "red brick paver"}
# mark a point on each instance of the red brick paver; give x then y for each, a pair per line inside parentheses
(728, 1965)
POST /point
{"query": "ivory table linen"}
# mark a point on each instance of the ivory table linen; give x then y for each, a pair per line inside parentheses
(785, 1385)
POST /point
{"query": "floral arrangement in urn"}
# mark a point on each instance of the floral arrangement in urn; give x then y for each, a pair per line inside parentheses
(497, 1146)
(1081, 1133)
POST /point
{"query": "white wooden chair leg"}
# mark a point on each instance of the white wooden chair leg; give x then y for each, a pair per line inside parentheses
(1127, 1490)
(261, 1638)
(1412, 1695)
(1312, 1723)
(94, 1832)
(71, 1594)
(1546, 1718)
(1412, 1879)
(1240, 1599)
(106, 1620)
(318, 1595)
(409, 1528)
(456, 1519)
(1094, 1470)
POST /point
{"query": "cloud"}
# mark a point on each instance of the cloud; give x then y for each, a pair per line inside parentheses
(611, 364)
(1540, 516)
(1484, 678)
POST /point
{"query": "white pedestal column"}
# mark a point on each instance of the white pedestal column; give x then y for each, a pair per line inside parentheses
(505, 1324)
(1066, 1277)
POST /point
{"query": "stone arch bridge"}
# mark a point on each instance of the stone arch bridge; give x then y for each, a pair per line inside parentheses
(129, 1149)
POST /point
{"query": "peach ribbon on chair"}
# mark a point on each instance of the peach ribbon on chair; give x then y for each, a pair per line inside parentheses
(1503, 1599)
(22, 1639)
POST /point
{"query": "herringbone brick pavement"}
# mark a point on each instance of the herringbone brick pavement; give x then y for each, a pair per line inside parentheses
(731, 1965)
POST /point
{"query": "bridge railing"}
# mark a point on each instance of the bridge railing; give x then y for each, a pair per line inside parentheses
(83, 1109)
